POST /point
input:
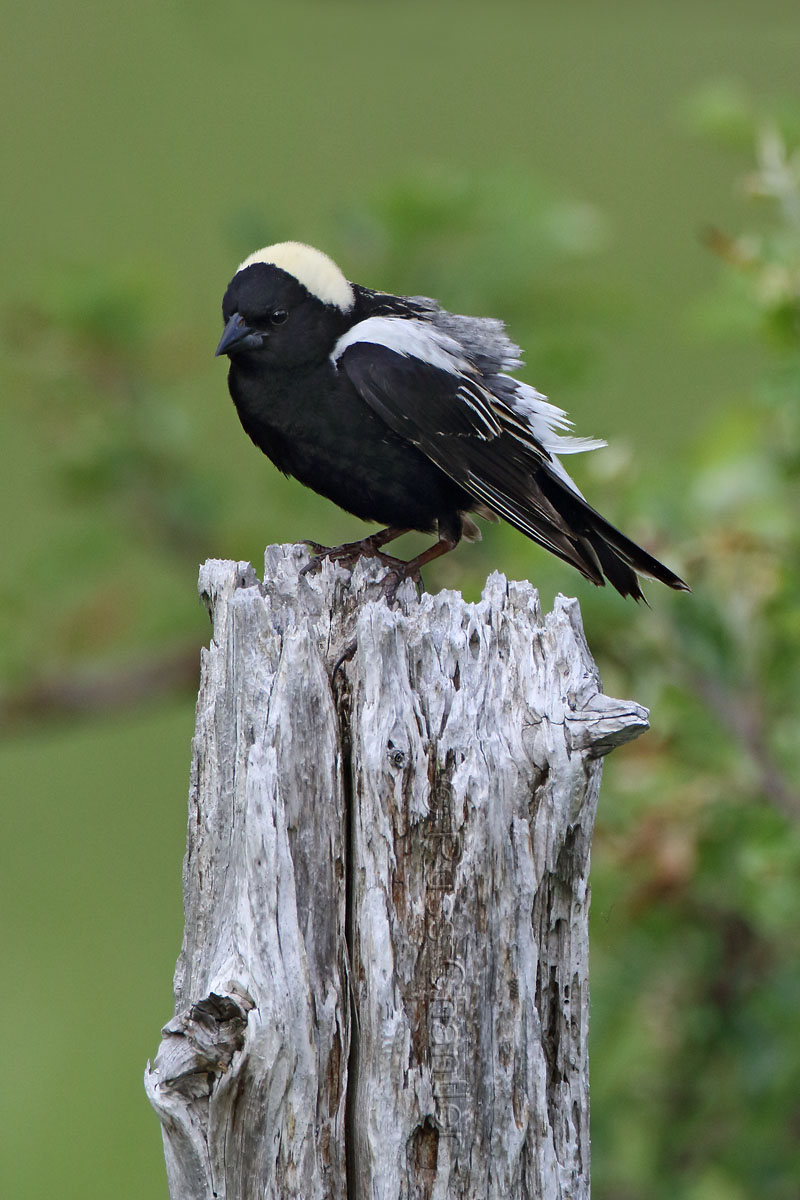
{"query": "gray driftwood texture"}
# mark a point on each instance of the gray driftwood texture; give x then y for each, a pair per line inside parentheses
(383, 986)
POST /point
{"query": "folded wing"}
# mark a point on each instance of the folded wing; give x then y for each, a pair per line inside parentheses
(497, 438)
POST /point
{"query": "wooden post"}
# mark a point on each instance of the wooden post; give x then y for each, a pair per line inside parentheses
(383, 985)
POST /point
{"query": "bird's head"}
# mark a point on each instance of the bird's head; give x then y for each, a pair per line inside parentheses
(287, 304)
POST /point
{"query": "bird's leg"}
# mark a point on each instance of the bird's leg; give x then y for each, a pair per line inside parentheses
(411, 570)
(370, 547)
(398, 572)
(349, 552)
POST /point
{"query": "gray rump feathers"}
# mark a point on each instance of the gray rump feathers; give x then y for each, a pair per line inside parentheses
(484, 339)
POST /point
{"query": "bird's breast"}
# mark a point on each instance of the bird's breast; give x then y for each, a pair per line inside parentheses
(283, 412)
(314, 426)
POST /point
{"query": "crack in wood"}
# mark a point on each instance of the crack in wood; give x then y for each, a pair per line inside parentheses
(351, 1114)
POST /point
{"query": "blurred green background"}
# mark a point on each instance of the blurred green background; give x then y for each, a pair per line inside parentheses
(617, 182)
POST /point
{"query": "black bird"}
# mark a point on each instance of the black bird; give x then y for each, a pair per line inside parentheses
(404, 414)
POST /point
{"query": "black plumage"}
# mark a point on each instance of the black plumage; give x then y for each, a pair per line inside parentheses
(405, 415)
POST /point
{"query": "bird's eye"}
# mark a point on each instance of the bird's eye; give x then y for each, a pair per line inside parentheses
(278, 316)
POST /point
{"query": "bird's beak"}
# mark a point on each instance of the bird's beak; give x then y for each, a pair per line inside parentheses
(238, 335)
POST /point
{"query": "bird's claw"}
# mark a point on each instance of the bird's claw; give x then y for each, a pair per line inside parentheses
(347, 554)
(343, 658)
(394, 577)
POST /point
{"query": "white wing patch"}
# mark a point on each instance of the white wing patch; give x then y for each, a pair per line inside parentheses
(318, 274)
(412, 339)
(536, 416)
(545, 420)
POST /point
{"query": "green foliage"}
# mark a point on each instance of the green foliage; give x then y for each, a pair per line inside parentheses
(120, 437)
(696, 874)
(498, 241)
(696, 1043)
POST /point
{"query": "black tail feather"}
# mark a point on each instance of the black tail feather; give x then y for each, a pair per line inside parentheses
(618, 572)
(620, 558)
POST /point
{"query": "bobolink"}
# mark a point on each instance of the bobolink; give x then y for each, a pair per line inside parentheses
(405, 414)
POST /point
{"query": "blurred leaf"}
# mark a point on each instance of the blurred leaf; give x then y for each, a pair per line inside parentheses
(707, 863)
(723, 111)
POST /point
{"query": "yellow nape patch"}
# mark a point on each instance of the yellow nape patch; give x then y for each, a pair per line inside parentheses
(318, 274)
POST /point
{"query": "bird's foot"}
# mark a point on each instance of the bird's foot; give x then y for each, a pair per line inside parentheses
(399, 569)
(343, 658)
(349, 553)
(397, 574)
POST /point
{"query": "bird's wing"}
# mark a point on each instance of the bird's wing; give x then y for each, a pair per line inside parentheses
(484, 339)
(426, 385)
(419, 380)
(496, 437)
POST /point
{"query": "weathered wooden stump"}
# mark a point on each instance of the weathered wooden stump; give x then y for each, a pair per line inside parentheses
(383, 985)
